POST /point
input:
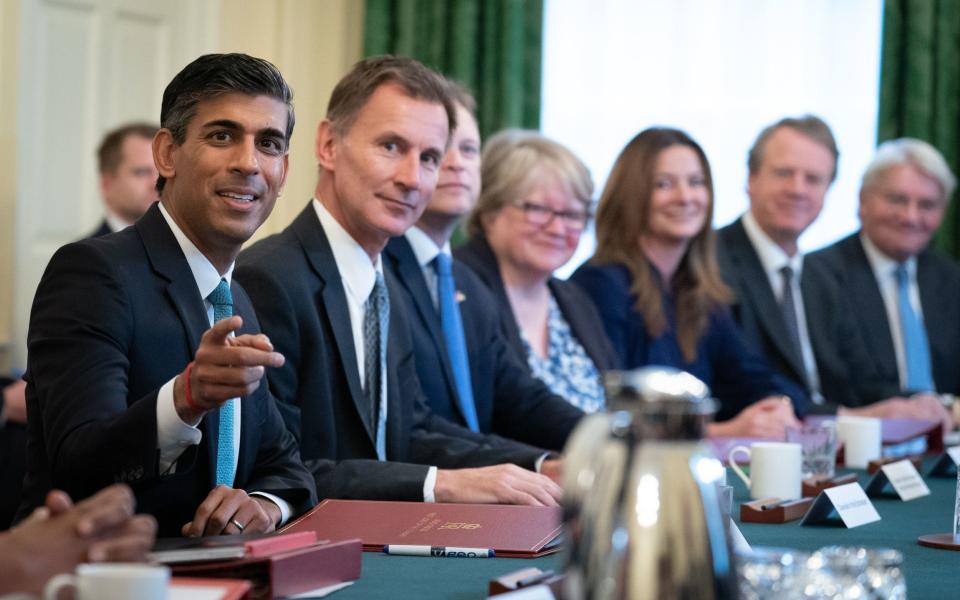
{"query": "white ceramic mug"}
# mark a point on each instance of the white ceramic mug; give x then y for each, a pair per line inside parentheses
(112, 581)
(861, 439)
(775, 469)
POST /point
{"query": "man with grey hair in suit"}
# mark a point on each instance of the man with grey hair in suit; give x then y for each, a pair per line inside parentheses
(902, 295)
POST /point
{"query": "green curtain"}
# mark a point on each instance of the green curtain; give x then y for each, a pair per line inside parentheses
(491, 46)
(920, 85)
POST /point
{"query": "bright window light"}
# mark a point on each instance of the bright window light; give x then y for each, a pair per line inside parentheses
(721, 71)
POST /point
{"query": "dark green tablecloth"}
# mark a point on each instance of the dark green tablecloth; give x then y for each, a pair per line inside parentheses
(930, 573)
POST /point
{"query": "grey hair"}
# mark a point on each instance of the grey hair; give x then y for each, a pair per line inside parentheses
(915, 153)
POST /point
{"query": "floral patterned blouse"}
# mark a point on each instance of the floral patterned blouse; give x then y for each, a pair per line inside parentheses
(567, 369)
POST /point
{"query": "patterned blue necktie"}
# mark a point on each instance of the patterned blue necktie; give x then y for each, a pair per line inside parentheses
(376, 326)
(915, 348)
(453, 335)
(222, 301)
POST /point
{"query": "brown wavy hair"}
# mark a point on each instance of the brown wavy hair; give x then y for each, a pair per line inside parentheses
(624, 215)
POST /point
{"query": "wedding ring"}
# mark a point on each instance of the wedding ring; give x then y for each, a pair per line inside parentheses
(237, 524)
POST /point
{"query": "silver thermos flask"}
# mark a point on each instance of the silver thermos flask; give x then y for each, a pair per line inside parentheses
(641, 508)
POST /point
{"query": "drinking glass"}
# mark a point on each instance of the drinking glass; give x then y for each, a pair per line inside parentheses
(819, 444)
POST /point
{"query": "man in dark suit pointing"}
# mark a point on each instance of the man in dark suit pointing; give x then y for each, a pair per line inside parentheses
(145, 362)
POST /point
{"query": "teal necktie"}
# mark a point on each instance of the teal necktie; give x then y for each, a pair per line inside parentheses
(915, 347)
(452, 326)
(222, 301)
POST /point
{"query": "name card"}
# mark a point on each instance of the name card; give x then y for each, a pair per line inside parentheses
(946, 464)
(740, 543)
(847, 502)
(904, 479)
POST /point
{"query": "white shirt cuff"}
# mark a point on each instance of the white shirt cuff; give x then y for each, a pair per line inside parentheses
(282, 504)
(173, 435)
(429, 485)
(539, 463)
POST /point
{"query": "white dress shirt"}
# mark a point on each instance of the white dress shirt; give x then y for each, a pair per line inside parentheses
(773, 259)
(426, 250)
(884, 269)
(114, 221)
(358, 274)
(173, 435)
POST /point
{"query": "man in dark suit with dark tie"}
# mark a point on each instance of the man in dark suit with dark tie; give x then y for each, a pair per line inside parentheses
(145, 362)
(349, 388)
(467, 369)
(789, 307)
(903, 295)
(127, 176)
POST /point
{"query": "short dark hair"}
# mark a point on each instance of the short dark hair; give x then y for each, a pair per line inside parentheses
(212, 75)
(811, 126)
(110, 151)
(414, 78)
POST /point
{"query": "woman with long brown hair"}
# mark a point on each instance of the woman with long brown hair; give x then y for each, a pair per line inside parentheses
(655, 280)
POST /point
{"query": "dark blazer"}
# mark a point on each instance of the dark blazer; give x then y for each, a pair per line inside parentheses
(736, 375)
(295, 285)
(509, 401)
(845, 371)
(13, 450)
(114, 319)
(577, 309)
(938, 278)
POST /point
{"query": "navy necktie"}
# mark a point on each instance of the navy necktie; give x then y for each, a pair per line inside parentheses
(915, 348)
(222, 301)
(452, 327)
(376, 325)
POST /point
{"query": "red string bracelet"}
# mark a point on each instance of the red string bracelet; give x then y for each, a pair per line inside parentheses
(186, 387)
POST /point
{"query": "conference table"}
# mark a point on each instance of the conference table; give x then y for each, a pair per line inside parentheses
(929, 573)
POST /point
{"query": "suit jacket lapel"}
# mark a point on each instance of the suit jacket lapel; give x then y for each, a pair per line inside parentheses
(863, 288)
(168, 261)
(756, 287)
(410, 275)
(309, 232)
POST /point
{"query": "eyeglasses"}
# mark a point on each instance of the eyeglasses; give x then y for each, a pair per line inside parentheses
(540, 215)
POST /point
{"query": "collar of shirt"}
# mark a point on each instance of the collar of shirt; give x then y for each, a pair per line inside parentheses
(114, 222)
(356, 271)
(883, 266)
(204, 273)
(424, 248)
(772, 256)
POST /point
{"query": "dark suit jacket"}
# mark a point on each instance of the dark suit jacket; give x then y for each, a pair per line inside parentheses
(938, 278)
(577, 309)
(113, 319)
(736, 375)
(296, 287)
(509, 401)
(845, 371)
(13, 450)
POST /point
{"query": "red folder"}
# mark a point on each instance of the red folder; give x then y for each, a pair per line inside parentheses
(510, 531)
(286, 573)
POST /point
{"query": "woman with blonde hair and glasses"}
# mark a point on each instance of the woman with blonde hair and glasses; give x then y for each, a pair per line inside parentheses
(655, 280)
(534, 204)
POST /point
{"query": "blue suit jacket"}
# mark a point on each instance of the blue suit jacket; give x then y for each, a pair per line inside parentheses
(735, 374)
(115, 318)
(296, 287)
(510, 402)
(938, 278)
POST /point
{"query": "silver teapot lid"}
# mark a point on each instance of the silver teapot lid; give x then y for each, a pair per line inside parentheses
(658, 389)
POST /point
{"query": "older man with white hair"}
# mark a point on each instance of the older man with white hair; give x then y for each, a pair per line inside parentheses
(903, 295)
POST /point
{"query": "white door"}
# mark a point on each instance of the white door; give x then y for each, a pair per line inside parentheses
(85, 67)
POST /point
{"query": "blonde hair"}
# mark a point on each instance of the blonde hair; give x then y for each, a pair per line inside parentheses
(516, 160)
(624, 215)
